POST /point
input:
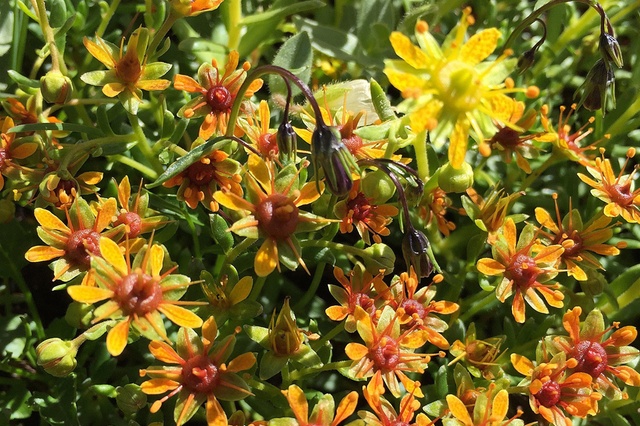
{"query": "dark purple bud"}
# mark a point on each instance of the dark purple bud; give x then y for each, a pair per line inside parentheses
(415, 250)
(610, 49)
(287, 141)
(333, 157)
(598, 82)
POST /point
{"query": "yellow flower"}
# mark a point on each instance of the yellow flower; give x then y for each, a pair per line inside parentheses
(10, 150)
(523, 273)
(194, 7)
(136, 293)
(273, 213)
(616, 191)
(453, 89)
(489, 409)
(324, 413)
(128, 73)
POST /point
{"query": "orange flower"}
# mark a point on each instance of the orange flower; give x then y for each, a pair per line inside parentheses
(614, 190)
(490, 212)
(259, 134)
(324, 413)
(435, 206)
(567, 142)
(199, 373)
(598, 356)
(552, 392)
(577, 239)
(385, 415)
(136, 292)
(480, 356)
(358, 210)
(387, 353)
(416, 308)
(523, 272)
(200, 180)
(217, 93)
(73, 244)
(10, 150)
(194, 7)
(135, 215)
(274, 214)
(357, 291)
(61, 188)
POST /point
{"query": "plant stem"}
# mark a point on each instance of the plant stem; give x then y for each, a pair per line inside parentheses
(143, 143)
(420, 149)
(128, 161)
(159, 35)
(487, 300)
(257, 288)
(194, 233)
(554, 158)
(313, 288)
(296, 375)
(328, 336)
(238, 250)
(621, 122)
(235, 16)
(57, 60)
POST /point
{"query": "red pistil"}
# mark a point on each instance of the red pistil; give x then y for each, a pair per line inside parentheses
(80, 245)
(549, 394)
(219, 99)
(138, 293)
(277, 216)
(200, 375)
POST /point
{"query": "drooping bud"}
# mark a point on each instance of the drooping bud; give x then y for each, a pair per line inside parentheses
(333, 157)
(526, 60)
(596, 85)
(287, 142)
(415, 250)
(56, 88)
(57, 356)
(452, 179)
(610, 49)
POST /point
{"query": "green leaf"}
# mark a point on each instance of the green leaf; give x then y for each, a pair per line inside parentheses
(295, 55)
(307, 357)
(270, 365)
(218, 228)
(64, 127)
(192, 156)
(259, 335)
(380, 102)
(15, 403)
(23, 81)
(279, 12)
(57, 405)
(57, 12)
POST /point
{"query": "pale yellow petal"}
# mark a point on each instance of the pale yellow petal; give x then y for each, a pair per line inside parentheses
(49, 221)
(110, 251)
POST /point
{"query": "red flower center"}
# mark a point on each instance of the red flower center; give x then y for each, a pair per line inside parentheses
(386, 355)
(361, 207)
(412, 306)
(621, 193)
(523, 271)
(219, 99)
(353, 143)
(80, 245)
(591, 356)
(506, 137)
(575, 250)
(549, 394)
(268, 144)
(128, 69)
(200, 375)
(132, 220)
(138, 293)
(362, 300)
(277, 216)
(4, 155)
(399, 423)
(202, 173)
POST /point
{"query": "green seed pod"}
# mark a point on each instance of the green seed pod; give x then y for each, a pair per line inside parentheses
(57, 356)
(377, 186)
(130, 399)
(451, 179)
(379, 256)
(56, 88)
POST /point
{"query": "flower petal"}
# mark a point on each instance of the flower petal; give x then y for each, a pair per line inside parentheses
(459, 410)
(117, 337)
(215, 414)
(241, 290)
(298, 403)
(266, 258)
(156, 258)
(356, 351)
(480, 46)
(411, 53)
(43, 253)
(165, 353)
(48, 220)
(158, 386)
(181, 316)
(87, 294)
(110, 252)
(242, 362)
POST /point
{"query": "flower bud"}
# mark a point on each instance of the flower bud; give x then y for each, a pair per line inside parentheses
(7, 210)
(415, 250)
(284, 335)
(610, 49)
(57, 356)
(379, 256)
(287, 142)
(333, 157)
(526, 60)
(377, 186)
(451, 179)
(56, 88)
(130, 398)
(596, 85)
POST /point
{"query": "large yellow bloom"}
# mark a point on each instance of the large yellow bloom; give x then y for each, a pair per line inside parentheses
(453, 89)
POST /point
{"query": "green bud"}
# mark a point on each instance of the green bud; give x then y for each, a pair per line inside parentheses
(56, 88)
(451, 179)
(7, 211)
(57, 356)
(79, 315)
(595, 283)
(526, 60)
(130, 398)
(377, 186)
(379, 256)
(287, 142)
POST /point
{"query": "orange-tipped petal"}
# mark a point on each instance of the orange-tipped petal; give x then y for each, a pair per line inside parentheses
(88, 294)
(43, 253)
(356, 351)
(49, 221)
(215, 414)
(181, 316)
(266, 258)
(346, 407)
(156, 258)
(298, 403)
(158, 386)
(110, 251)
(242, 362)
(117, 338)
(459, 410)
(165, 353)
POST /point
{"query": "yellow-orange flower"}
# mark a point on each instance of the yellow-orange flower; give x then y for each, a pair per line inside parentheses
(10, 150)
(199, 372)
(434, 207)
(136, 294)
(194, 7)
(616, 191)
(524, 273)
(384, 414)
(217, 92)
(489, 409)
(324, 413)
(578, 239)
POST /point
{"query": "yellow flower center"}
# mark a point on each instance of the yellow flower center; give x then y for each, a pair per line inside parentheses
(459, 87)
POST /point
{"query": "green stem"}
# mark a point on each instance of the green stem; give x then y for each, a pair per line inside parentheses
(518, 389)
(624, 119)
(484, 303)
(128, 161)
(627, 297)
(554, 158)
(159, 35)
(257, 288)
(106, 18)
(143, 144)
(235, 16)
(420, 149)
(194, 232)
(239, 249)
(24, 289)
(57, 60)
(313, 288)
(339, 247)
(328, 336)
(91, 145)
(296, 375)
